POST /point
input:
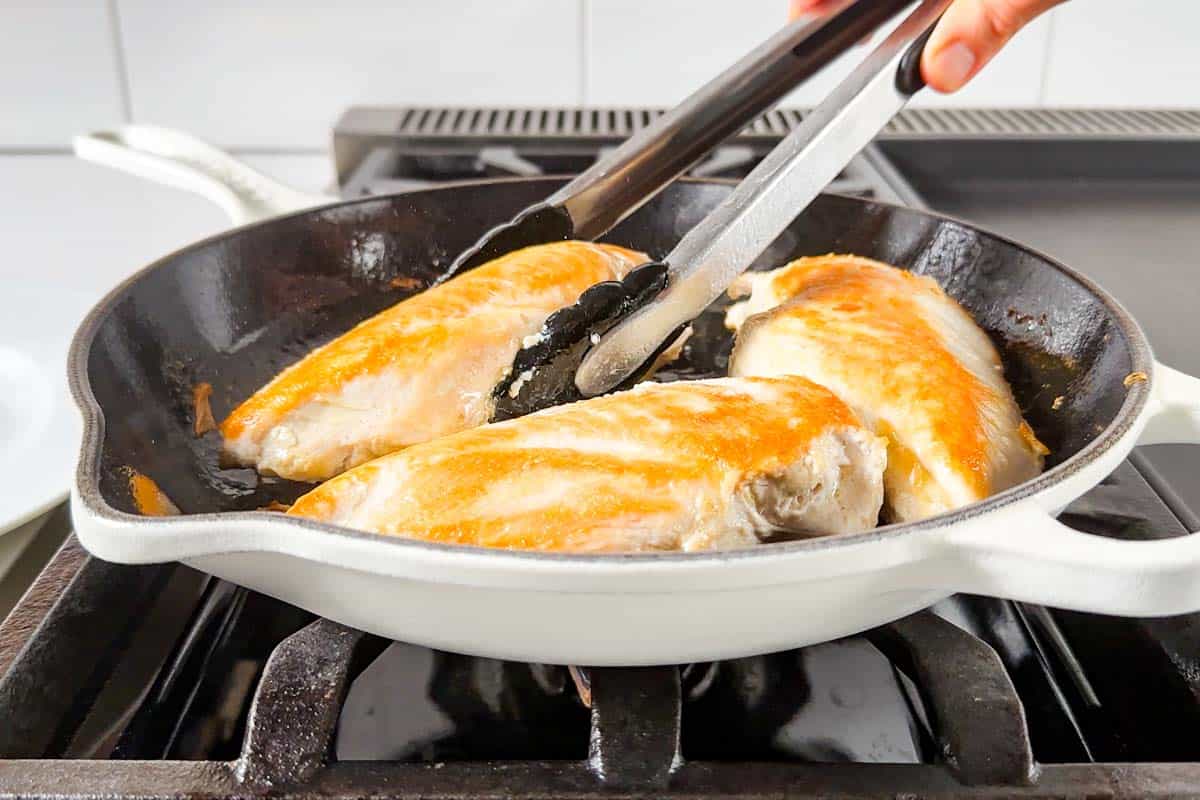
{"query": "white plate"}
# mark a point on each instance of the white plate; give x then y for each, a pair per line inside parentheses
(39, 429)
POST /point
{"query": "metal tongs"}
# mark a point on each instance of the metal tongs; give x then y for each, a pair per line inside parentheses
(617, 185)
(617, 328)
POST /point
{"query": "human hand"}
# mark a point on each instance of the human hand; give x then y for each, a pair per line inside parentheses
(969, 34)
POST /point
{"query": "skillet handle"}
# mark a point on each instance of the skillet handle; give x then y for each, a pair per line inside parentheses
(1023, 553)
(177, 159)
(1174, 416)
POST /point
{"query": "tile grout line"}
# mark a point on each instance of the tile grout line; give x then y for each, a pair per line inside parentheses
(51, 150)
(55, 150)
(1043, 84)
(585, 49)
(114, 22)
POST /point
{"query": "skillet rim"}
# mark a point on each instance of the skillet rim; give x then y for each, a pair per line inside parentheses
(87, 491)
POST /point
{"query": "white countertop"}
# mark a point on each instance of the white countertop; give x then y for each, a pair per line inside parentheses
(71, 231)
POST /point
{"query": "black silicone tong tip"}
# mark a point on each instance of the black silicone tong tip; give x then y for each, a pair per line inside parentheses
(543, 374)
(539, 224)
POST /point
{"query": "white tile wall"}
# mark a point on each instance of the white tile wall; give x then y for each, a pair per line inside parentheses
(656, 53)
(274, 74)
(1116, 53)
(58, 71)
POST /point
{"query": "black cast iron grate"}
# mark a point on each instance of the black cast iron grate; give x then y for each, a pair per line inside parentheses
(982, 743)
(292, 722)
(56, 659)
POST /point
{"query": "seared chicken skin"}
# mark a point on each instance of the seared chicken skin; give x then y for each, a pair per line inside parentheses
(909, 361)
(695, 465)
(421, 369)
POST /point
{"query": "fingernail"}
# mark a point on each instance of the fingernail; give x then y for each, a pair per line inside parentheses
(953, 65)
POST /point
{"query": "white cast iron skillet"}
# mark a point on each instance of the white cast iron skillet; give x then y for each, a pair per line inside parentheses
(235, 308)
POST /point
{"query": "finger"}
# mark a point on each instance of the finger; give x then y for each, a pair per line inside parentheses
(800, 8)
(970, 33)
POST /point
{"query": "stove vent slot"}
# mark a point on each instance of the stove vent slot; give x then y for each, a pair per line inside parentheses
(1045, 122)
(538, 122)
(361, 130)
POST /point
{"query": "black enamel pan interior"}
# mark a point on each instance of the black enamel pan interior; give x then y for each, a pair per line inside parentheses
(233, 310)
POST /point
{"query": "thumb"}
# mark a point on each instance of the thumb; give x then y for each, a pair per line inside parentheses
(970, 33)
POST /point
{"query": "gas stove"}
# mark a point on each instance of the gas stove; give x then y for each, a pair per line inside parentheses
(159, 681)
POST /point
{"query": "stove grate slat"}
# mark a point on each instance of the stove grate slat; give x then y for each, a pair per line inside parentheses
(295, 712)
(977, 715)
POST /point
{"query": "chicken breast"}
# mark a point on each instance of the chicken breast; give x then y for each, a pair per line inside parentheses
(679, 466)
(909, 361)
(421, 369)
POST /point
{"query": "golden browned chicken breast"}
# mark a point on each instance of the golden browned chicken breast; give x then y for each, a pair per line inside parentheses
(679, 466)
(908, 359)
(424, 368)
